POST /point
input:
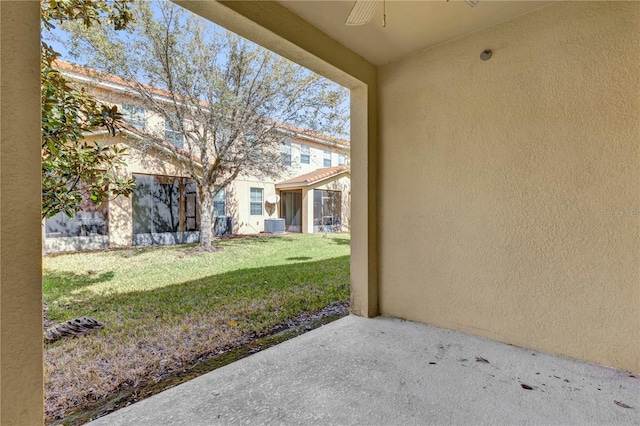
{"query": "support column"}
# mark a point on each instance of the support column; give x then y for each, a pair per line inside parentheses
(364, 204)
(307, 211)
(121, 219)
(21, 334)
(182, 205)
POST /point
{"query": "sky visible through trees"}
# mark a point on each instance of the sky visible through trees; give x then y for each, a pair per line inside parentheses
(239, 95)
(60, 41)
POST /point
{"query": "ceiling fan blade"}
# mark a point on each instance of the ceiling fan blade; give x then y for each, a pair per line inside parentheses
(362, 12)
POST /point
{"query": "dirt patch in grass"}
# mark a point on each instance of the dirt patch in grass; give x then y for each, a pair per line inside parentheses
(170, 376)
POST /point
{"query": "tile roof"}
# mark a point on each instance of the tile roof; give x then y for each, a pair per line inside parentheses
(315, 176)
(101, 77)
(313, 134)
(109, 78)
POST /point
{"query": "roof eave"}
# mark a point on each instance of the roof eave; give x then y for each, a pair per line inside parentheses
(295, 185)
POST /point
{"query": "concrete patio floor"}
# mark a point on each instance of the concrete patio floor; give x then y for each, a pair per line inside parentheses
(385, 371)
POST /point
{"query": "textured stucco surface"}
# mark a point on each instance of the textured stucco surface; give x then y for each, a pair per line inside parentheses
(381, 371)
(510, 190)
(21, 380)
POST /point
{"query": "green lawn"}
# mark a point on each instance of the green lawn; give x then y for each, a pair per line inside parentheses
(165, 306)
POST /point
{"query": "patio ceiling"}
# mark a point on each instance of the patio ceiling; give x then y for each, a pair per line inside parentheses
(411, 26)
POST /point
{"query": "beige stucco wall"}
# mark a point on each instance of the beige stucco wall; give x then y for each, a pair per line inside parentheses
(510, 189)
(306, 213)
(156, 162)
(141, 160)
(238, 205)
(138, 160)
(21, 381)
(316, 156)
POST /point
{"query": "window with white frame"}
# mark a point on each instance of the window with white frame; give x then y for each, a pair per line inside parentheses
(285, 153)
(255, 206)
(341, 160)
(133, 115)
(173, 136)
(305, 154)
(327, 159)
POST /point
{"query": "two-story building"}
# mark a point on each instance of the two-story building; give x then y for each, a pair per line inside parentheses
(311, 194)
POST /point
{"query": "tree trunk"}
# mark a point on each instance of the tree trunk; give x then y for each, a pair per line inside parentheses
(206, 220)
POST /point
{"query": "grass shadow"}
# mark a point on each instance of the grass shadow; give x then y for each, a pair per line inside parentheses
(254, 297)
(68, 287)
(251, 239)
(130, 252)
(63, 282)
(341, 241)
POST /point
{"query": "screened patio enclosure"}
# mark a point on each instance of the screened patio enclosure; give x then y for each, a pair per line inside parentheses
(318, 201)
(327, 211)
(88, 229)
(292, 210)
(166, 211)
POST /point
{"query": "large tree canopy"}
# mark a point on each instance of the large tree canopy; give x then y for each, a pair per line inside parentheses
(72, 169)
(228, 98)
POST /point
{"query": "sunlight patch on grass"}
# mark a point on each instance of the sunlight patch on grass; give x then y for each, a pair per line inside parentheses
(165, 306)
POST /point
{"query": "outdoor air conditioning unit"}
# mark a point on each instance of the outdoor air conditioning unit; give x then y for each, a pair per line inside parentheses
(274, 226)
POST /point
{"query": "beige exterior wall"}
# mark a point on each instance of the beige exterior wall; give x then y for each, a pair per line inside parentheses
(316, 157)
(238, 194)
(157, 162)
(238, 206)
(307, 210)
(21, 381)
(510, 190)
(121, 208)
(151, 162)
